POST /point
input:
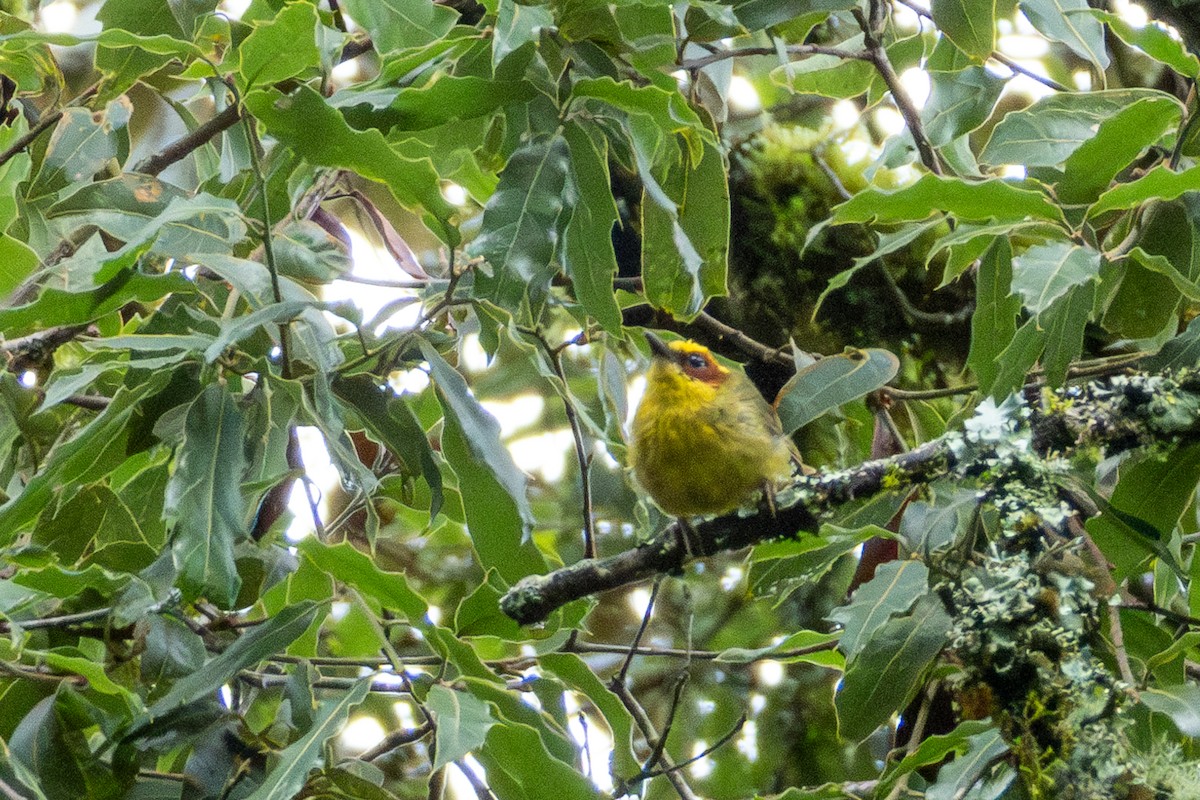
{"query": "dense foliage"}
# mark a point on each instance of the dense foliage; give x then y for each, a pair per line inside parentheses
(1001, 278)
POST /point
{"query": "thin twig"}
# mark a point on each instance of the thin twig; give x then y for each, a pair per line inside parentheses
(647, 729)
(637, 639)
(10, 793)
(705, 753)
(47, 121)
(482, 790)
(920, 317)
(872, 28)
(395, 740)
(192, 141)
(661, 745)
(582, 457)
(793, 50)
(914, 739)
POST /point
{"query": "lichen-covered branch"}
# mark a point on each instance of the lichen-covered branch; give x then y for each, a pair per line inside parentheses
(1119, 413)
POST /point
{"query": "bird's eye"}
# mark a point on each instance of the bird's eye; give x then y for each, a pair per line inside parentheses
(696, 362)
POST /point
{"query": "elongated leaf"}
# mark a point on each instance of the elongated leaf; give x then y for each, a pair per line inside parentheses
(520, 225)
(1153, 40)
(258, 642)
(971, 200)
(280, 48)
(893, 590)
(402, 24)
(1117, 142)
(1159, 183)
(1178, 353)
(1045, 272)
(959, 101)
(796, 641)
(204, 497)
(994, 323)
(1181, 703)
(832, 381)
(685, 233)
(299, 758)
(56, 307)
(1062, 21)
(355, 568)
(934, 750)
(1064, 324)
(81, 145)
(463, 722)
(956, 778)
(1144, 509)
(516, 752)
(888, 670)
(1046, 133)
(390, 420)
(588, 254)
(970, 24)
(575, 673)
(480, 431)
(669, 112)
(305, 122)
(93, 453)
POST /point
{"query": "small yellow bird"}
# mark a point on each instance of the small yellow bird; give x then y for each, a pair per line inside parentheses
(704, 439)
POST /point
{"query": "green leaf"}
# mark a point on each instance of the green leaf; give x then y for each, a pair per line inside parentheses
(520, 225)
(889, 242)
(955, 779)
(481, 434)
(893, 590)
(397, 25)
(1061, 21)
(1138, 519)
(1179, 353)
(257, 643)
(587, 253)
(309, 253)
(280, 48)
(1181, 703)
(1018, 357)
(1046, 133)
(971, 200)
(685, 233)
(82, 145)
(355, 568)
(1046, 272)
(888, 670)
(575, 673)
(286, 779)
(827, 75)
(92, 453)
(1064, 324)
(779, 651)
(19, 261)
(994, 323)
(1153, 40)
(516, 752)
(959, 101)
(57, 307)
(934, 750)
(516, 25)
(204, 497)
(1119, 140)
(1159, 183)
(668, 111)
(391, 421)
(463, 722)
(306, 123)
(970, 24)
(95, 513)
(832, 381)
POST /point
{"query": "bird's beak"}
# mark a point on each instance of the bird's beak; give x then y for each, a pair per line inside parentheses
(658, 348)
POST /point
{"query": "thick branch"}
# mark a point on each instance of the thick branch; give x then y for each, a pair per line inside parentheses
(534, 598)
(1117, 414)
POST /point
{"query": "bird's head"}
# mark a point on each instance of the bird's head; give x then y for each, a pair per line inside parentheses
(685, 359)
